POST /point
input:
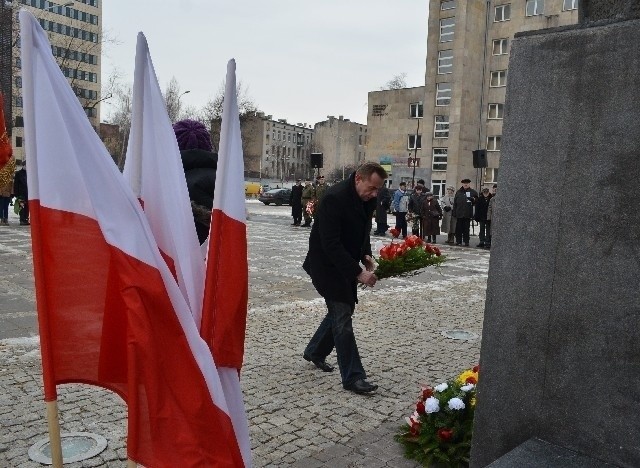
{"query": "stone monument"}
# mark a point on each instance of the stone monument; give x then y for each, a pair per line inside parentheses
(560, 357)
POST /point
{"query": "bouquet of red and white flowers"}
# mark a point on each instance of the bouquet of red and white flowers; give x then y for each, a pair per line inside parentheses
(406, 257)
(311, 207)
(439, 430)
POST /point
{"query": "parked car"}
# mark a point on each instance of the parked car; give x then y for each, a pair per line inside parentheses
(277, 196)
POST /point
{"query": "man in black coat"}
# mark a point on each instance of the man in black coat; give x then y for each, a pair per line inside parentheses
(463, 203)
(21, 191)
(339, 242)
(382, 207)
(295, 201)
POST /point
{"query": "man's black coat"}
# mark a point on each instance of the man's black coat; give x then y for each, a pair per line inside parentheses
(339, 241)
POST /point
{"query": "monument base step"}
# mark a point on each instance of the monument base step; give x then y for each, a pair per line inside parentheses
(537, 453)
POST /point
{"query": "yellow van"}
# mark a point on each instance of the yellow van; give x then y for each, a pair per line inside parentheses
(251, 189)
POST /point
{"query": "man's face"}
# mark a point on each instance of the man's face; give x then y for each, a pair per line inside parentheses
(321, 180)
(368, 188)
(466, 185)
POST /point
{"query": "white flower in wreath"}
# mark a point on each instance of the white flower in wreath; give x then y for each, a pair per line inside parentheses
(456, 404)
(431, 405)
(467, 387)
(441, 388)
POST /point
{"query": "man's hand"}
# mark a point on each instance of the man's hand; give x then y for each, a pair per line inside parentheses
(369, 264)
(367, 278)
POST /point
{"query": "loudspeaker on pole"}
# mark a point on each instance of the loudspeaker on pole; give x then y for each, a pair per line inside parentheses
(479, 158)
(316, 160)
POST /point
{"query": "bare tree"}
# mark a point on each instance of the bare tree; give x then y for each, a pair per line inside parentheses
(397, 82)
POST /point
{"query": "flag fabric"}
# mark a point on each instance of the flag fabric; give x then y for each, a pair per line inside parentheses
(109, 310)
(5, 143)
(154, 170)
(224, 313)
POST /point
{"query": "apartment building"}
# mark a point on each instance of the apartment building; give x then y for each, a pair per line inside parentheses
(273, 149)
(342, 143)
(75, 32)
(395, 132)
(468, 48)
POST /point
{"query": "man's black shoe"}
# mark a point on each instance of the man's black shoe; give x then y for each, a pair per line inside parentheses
(322, 365)
(361, 386)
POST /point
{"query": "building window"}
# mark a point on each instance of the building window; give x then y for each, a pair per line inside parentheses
(439, 162)
(443, 94)
(278, 135)
(414, 142)
(496, 111)
(500, 46)
(494, 143)
(441, 126)
(569, 5)
(448, 4)
(491, 175)
(445, 62)
(18, 101)
(447, 28)
(19, 81)
(438, 187)
(498, 78)
(502, 13)
(534, 7)
(18, 142)
(416, 110)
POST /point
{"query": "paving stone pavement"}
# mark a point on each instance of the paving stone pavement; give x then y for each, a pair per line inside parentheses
(298, 416)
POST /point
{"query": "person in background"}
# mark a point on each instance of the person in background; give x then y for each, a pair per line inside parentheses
(21, 191)
(400, 206)
(382, 207)
(321, 188)
(482, 205)
(416, 201)
(431, 216)
(339, 258)
(448, 220)
(487, 242)
(296, 203)
(200, 164)
(463, 203)
(6, 189)
(308, 194)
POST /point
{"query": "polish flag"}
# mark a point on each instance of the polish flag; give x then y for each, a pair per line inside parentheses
(154, 170)
(109, 310)
(224, 313)
(5, 143)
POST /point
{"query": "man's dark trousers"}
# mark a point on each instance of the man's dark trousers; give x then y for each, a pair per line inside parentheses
(462, 230)
(336, 330)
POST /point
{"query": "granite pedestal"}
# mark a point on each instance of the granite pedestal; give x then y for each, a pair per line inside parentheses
(560, 357)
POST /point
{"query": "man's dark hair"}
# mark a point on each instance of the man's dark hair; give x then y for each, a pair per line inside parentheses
(369, 168)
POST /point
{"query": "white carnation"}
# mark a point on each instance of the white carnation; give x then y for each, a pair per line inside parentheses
(431, 405)
(441, 388)
(456, 404)
(467, 387)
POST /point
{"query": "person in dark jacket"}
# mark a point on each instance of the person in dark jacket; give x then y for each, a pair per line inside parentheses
(295, 200)
(339, 243)
(463, 203)
(200, 165)
(482, 205)
(382, 207)
(21, 191)
(431, 216)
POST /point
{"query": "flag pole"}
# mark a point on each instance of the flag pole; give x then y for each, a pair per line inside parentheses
(55, 443)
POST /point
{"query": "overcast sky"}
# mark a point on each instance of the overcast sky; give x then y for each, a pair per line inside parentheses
(300, 59)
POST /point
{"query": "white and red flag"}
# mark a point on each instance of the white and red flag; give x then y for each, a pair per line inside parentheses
(154, 170)
(109, 309)
(224, 314)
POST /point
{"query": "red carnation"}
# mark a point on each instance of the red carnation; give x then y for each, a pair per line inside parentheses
(472, 380)
(394, 232)
(427, 392)
(437, 251)
(445, 435)
(476, 369)
(429, 248)
(420, 408)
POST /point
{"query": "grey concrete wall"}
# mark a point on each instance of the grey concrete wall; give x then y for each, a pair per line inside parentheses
(595, 10)
(560, 356)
